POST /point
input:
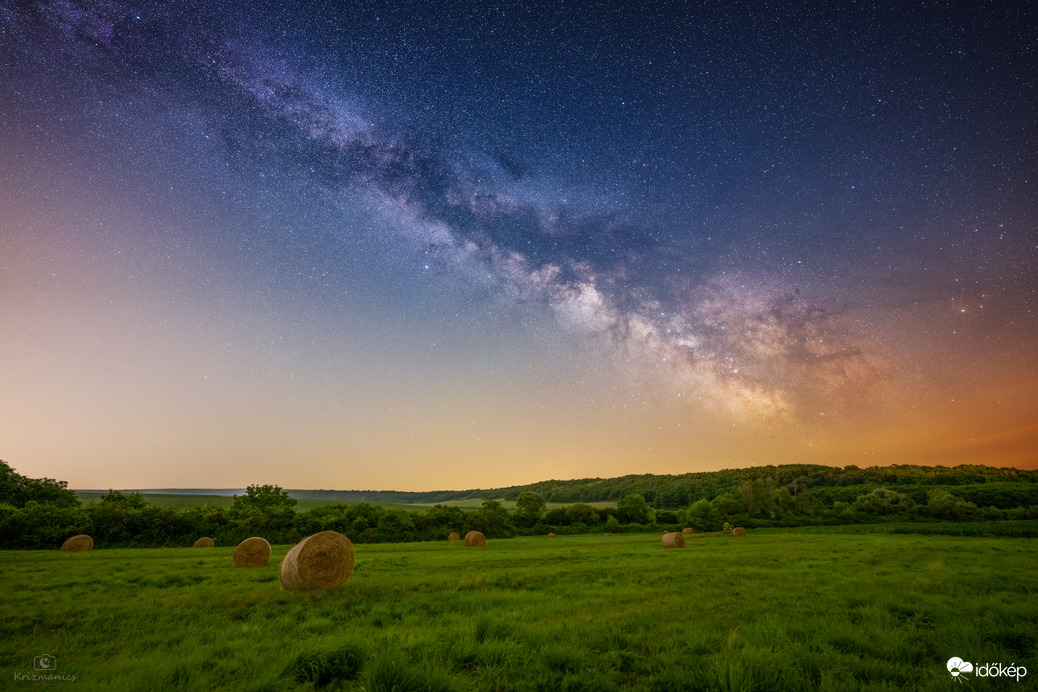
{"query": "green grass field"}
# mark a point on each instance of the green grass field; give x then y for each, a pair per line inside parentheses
(178, 502)
(774, 611)
(187, 501)
(476, 503)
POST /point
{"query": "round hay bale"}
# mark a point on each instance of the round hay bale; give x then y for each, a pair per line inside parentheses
(78, 544)
(609, 534)
(475, 539)
(739, 532)
(673, 540)
(687, 531)
(551, 535)
(205, 542)
(252, 552)
(321, 561)
(454, 536)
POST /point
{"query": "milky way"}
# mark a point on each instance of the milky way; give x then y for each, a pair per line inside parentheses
(380, 239)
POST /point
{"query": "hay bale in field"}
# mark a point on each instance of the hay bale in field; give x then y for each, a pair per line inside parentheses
(687, 531)
(454, 536)
(321, 561)
(673, 540)
(78, 544)
(205, 542)
(475, 539)
(739, 532)
(252, 552)
(551, 535)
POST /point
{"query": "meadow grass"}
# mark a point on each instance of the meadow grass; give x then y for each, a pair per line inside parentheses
(181, 502)
(510, 505)
(188, 501)
(780, 610)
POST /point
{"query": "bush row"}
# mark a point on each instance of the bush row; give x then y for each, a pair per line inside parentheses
(126, 521)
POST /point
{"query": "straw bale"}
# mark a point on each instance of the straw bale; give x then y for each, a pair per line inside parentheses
(687, 531)
(205, 542)
(78, 544)
(673, 540)
(739, 532)
(454, 536)
(252, 552)
(475, 539)
(551, 535)
(321, 561)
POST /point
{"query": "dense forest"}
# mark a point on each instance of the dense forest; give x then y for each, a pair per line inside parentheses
(42, 513)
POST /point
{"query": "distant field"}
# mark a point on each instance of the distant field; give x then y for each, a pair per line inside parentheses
(476, 503)
(178, 502)
(790, 610)
(181, 502)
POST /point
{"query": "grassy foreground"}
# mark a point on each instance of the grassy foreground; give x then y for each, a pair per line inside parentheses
(773, 611)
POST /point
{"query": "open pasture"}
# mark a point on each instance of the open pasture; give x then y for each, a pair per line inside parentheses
(183, 501)
(772, 611)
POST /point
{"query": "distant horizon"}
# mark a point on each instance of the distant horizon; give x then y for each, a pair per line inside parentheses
(227, 492)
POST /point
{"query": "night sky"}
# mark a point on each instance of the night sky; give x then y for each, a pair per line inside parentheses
(452, 245)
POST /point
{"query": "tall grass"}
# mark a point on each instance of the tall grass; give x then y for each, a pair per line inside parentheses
(782, 611)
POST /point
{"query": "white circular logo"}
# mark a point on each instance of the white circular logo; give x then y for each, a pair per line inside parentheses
(956, 666)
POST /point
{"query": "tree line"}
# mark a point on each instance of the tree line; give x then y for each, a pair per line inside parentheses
(679, 491)
(42, 513)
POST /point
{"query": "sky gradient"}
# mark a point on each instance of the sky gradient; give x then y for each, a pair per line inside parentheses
(390, 246)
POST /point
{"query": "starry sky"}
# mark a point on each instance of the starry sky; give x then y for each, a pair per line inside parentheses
(416, 246)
